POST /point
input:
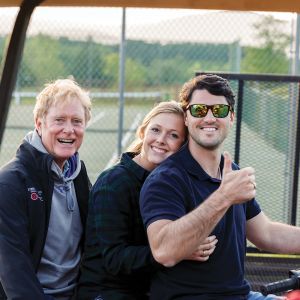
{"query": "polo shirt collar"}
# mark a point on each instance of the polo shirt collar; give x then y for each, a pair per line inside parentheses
(139, 172)
(192, 166)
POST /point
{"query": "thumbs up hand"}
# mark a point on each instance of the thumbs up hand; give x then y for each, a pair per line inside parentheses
(227, 163)
(237, 186)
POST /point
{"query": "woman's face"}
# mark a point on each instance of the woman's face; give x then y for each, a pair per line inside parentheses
(163, 136)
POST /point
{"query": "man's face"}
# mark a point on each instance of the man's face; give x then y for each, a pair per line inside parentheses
(208, 132)
(62, 130)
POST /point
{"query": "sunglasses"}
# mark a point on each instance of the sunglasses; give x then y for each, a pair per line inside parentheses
(201, 110)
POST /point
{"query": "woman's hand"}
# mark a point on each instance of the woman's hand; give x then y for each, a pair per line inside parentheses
(204, 250)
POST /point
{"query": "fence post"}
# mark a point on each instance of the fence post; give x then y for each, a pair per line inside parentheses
(121, 81)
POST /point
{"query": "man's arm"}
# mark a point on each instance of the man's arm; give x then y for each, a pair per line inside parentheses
(172, 241)
(273, 236)
(17, 274)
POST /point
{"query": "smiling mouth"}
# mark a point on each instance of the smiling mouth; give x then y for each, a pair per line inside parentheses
(158, 150)
(66, 141)
(209, 128)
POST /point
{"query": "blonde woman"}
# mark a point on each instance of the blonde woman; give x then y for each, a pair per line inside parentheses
(117, 263)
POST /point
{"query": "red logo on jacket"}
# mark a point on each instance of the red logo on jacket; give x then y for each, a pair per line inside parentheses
(35, 194)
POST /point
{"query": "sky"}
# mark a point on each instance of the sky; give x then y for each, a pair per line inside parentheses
(113, 16)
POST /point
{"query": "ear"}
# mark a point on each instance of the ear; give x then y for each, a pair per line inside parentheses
(38, 126)
(141, 132)
(232, 115)
(142, 135)
(185, 119)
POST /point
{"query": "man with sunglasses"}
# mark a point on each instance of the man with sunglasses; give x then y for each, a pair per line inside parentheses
(199, 191)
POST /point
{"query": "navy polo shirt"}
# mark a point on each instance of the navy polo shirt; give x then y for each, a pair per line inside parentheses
(172, 190)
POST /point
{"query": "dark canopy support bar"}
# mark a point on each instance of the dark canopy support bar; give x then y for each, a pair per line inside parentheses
(239, 121)
(296, 166)
(13, 59)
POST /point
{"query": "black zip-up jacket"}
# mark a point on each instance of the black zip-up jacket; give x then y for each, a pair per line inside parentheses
(26, 188)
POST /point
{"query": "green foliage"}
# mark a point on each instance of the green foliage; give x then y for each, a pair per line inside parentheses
(264, 101)
(167, 71)
(111, 69)
(266, 112)
(135, 74)
(270, 35)
(265, 60)
(270, 56)
(173, 64)
(41, 61)
(164, 67)
(148, 65)
(84, 60)
(96, 65)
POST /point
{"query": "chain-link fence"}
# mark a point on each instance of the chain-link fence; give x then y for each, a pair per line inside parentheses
(265, 136)
(159, 56)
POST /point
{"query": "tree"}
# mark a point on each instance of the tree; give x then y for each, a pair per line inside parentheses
(135, 72)
(84, 60)
(270, 56)
(41, 62)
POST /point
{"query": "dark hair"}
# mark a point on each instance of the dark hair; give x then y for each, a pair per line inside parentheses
(214, 84)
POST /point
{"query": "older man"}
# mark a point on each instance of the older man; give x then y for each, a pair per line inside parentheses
(44, 195)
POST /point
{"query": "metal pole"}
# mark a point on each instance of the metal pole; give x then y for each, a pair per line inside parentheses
(295, 174)
(295, 178)
(239, 121)
(236, 56)
(292, 158)
(296, 72)
(121, 80)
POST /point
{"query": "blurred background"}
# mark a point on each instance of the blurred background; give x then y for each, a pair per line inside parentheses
(130, 59)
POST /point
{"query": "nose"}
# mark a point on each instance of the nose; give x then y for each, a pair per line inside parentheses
(68, 128)
(209, 117)
(161, 138)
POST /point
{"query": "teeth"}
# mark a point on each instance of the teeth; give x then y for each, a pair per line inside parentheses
(158, 150)
(65, 141)
(209, 129)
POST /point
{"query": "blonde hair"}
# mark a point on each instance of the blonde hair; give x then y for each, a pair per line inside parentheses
(172, 107)
(61, 91)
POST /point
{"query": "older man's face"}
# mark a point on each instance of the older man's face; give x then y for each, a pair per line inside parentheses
(62, 130)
